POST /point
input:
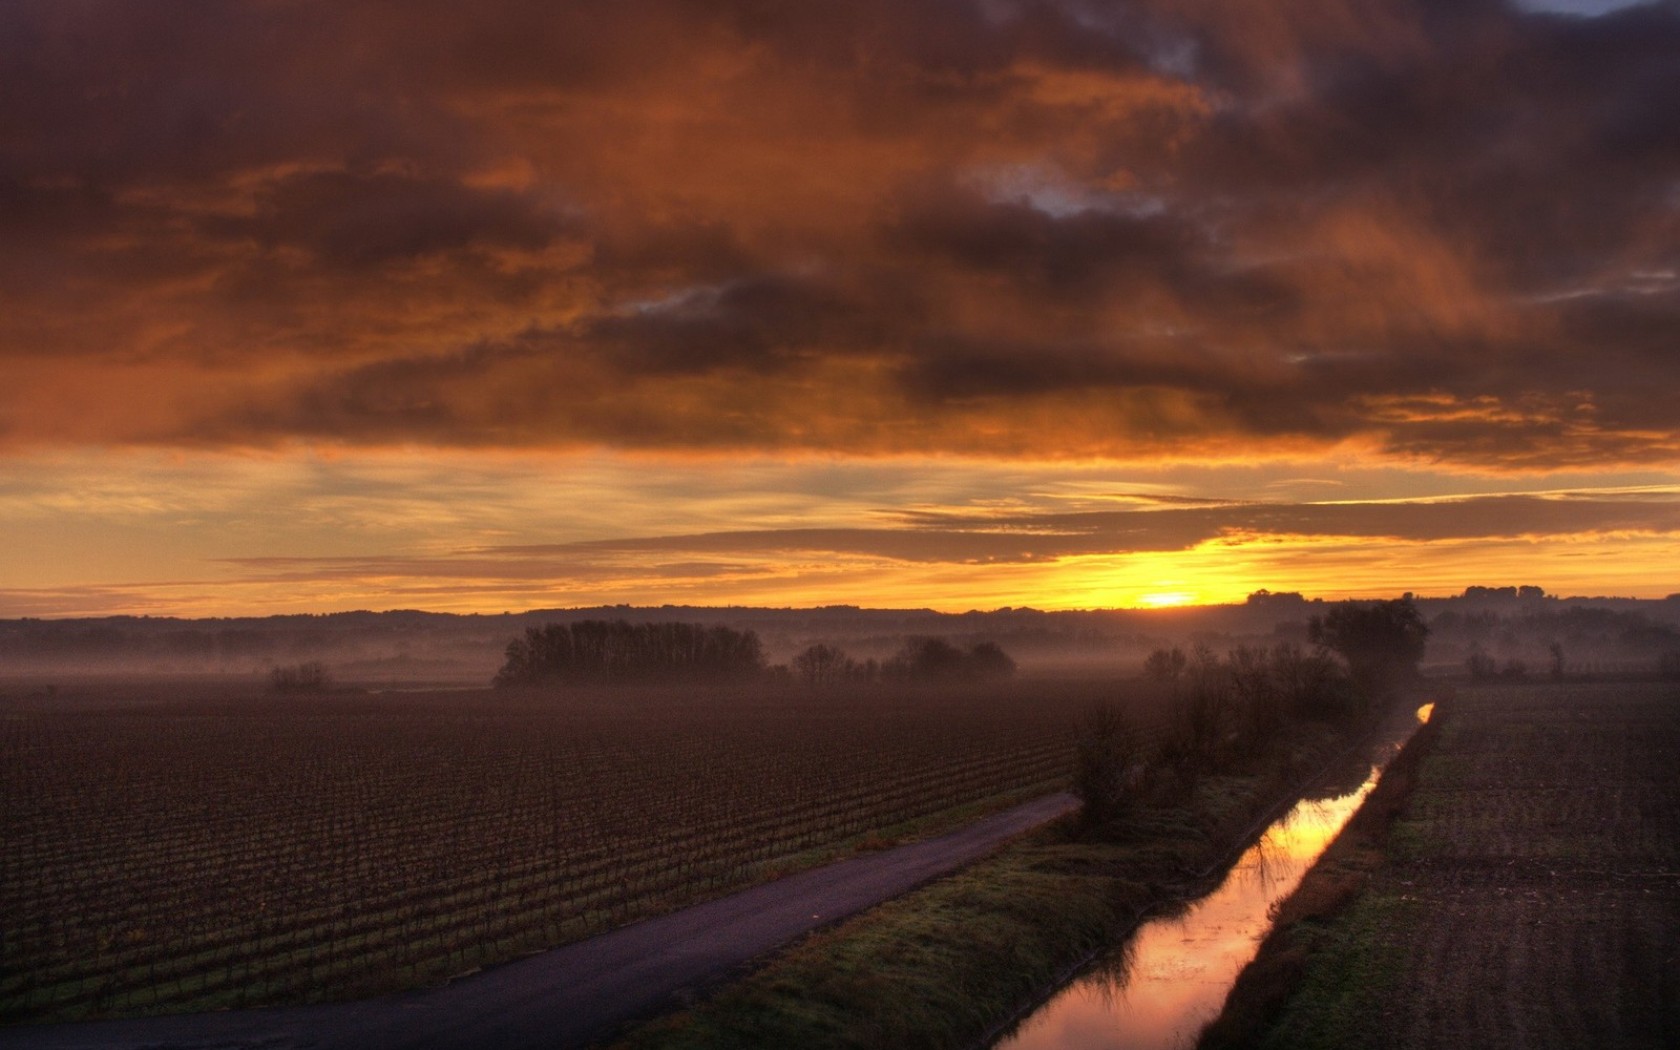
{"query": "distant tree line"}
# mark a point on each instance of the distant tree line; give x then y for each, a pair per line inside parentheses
(1503, 647)
(1504, 594)
(617, 651)
(920, 659)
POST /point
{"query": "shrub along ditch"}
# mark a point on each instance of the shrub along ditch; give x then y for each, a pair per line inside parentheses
(940, 966)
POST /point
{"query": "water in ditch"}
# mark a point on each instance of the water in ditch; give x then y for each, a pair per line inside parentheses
(1157, 990)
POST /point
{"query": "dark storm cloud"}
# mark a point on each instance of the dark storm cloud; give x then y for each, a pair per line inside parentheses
(1440, 230)
(1547, 142)
(703, 252)
(117, 93)
(753, 321)
(1089, 253)
(957, 368)
(346, 219)
(553, 377)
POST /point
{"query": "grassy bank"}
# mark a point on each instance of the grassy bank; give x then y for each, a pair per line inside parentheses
(1525, 893)
(939, 967)
(1335, 881)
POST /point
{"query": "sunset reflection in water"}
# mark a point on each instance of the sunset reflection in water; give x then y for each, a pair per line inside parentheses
(1171, 978)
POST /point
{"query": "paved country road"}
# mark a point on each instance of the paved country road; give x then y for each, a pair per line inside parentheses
(569, 996)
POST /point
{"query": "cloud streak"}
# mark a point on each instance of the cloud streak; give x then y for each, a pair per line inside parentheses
(955, 560)
(475, 532)
(945, 537)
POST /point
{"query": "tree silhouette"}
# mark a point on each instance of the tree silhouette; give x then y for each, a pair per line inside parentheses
(822, 664)
(1382, 642)
(1165, 665)
(610, 651)
(936, 659)
(988, 660)
(1107, 761)
(308, 677)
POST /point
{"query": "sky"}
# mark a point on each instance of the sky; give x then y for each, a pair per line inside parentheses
(309, 307)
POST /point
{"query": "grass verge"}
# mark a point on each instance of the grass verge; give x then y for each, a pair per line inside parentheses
(938, 967)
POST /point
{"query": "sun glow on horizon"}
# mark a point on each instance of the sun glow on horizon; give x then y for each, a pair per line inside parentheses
(1167, 599)
(224, 535)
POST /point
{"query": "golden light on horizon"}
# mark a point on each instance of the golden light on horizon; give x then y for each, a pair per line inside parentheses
(206, 535)
(1167, 599)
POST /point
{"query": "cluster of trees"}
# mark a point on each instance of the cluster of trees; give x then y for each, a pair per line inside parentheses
(822, 665)
(311, 676)
(1382, 642)
(612, 651)
(1233, 708)
(615, 651)
(1504, 594)
(1226, 708)
(920, 659)
(936, 660)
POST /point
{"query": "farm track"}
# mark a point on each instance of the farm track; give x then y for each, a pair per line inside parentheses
(574, 995)
(1531, 895)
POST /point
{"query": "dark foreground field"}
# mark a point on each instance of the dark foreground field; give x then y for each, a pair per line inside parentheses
(1526, 896)
(574, 995)
(167, 851)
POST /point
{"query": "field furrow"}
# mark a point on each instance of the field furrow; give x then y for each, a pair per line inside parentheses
(186, 858)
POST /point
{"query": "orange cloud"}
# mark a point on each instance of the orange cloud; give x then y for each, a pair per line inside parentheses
(908, 226)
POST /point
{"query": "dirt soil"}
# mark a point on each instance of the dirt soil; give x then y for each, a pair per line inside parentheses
(1531, 892)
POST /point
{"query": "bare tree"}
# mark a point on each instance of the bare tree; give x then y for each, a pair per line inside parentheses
(822, 664)
(1107, 764)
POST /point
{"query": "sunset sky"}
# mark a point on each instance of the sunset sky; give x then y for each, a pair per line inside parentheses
(319, 306)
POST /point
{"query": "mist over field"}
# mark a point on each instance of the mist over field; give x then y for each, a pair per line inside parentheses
(1513, 627)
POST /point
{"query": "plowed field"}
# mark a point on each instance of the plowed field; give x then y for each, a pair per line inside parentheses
(1532, 893)
(204, 854)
